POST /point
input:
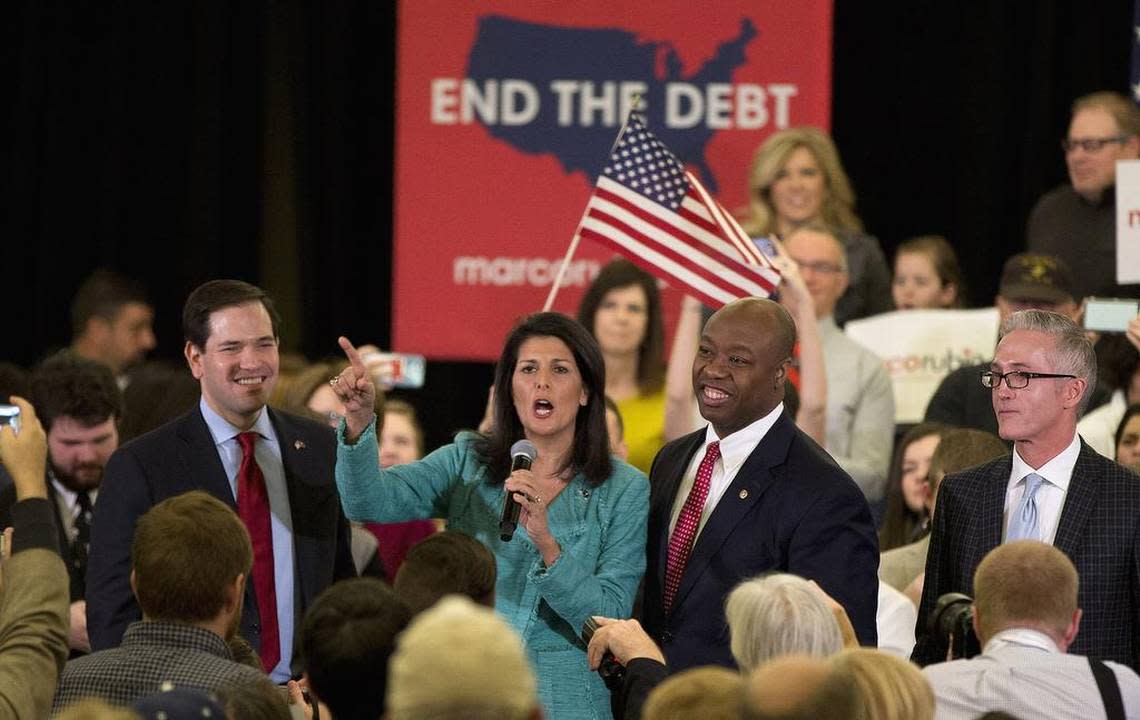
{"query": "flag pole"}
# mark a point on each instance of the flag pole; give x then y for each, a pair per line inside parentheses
(557, 284)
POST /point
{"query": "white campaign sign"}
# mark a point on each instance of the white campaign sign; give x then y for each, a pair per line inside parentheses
(920, 347)
(1127, 221)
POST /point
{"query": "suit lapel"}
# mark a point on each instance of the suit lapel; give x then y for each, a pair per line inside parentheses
(666, 495)
(1079, 502)
(746, 489)
(203, 464)
(992, 500)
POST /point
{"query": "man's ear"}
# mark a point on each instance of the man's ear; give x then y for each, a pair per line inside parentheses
(235, 592)
(1132, 146)
(134, 584)
(98, 329)
(782, 372)
(1075, 389)
(194, 359)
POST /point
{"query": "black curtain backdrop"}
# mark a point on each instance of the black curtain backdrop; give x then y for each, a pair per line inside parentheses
(183, 141)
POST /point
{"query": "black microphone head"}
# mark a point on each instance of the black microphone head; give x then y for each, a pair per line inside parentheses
(525, 448)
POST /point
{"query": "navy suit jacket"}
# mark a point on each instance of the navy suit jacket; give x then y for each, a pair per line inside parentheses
(1099, 530)
(790, 508)
(179, 457)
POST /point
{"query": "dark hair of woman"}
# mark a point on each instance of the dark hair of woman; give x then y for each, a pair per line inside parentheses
(590, 450)
(1129, 412)
(622, 273)
(901, 525)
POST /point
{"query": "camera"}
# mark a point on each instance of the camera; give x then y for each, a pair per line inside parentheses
(612, 672)
(10, 415)
(952, 620)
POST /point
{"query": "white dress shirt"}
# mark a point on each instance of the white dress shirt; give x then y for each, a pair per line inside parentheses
(734, 450)
(1050, 496)
(1022, 672)
(67, 501)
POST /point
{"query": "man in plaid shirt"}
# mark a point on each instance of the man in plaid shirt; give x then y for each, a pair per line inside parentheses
(190, 559)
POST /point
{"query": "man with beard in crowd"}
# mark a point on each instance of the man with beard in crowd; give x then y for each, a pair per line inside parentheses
(79, 404)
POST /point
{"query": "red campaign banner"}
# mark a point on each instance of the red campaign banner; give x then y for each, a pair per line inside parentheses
(507, 110)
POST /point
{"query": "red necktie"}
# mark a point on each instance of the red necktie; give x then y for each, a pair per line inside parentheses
(253, 508)
(681, 543)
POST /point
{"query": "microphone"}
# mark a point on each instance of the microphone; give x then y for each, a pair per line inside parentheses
(523, 454)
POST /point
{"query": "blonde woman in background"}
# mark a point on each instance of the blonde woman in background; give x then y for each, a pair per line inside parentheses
(796, 179)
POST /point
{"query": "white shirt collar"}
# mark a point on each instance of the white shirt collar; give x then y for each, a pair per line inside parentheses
(736, 448)
(1022, 637)
(1058, 471)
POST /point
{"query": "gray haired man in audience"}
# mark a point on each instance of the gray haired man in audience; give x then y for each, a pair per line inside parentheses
(1026, 617)
(770, 616)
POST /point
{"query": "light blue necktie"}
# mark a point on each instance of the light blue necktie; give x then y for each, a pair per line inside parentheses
(1023, 524)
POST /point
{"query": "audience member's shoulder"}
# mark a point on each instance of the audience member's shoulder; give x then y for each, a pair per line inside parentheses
(1060, 196)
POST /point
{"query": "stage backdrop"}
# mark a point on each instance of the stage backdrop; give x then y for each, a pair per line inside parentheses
(506, 112)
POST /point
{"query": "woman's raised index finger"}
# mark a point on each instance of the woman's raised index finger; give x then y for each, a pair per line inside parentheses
(352, 355)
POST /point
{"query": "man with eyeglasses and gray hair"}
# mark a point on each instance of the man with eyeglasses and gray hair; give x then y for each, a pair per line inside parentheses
(1077, 222)
(1053, 488)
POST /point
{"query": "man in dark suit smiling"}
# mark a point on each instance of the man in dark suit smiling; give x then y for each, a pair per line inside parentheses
(749, 494)
(274, 469)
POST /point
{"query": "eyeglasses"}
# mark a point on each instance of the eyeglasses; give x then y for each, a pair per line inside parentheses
(1090, 144)
(1015, 380)
(818, 267)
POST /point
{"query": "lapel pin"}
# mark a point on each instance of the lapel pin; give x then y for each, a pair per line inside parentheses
(743, 494)
(299, 444)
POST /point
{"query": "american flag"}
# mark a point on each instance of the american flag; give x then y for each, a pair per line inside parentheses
(647, 207)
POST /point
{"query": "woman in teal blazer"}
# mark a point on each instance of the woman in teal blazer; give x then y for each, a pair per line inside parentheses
(580, 547)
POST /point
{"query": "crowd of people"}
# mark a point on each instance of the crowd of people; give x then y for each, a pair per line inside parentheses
(736, 528)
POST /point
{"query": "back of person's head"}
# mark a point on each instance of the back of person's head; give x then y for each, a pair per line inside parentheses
(260, 700)
(710, 693)
(103, 294)
(1118, 362)
(797, 687)
(158, 393)
(1026, 584)
(890, 688)
(446, 563)
(779, 614)
(961, 449)
(347, 638)
(68, 385)
(186, 554)
(460, 661)
(14, 380)
(215, 295)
